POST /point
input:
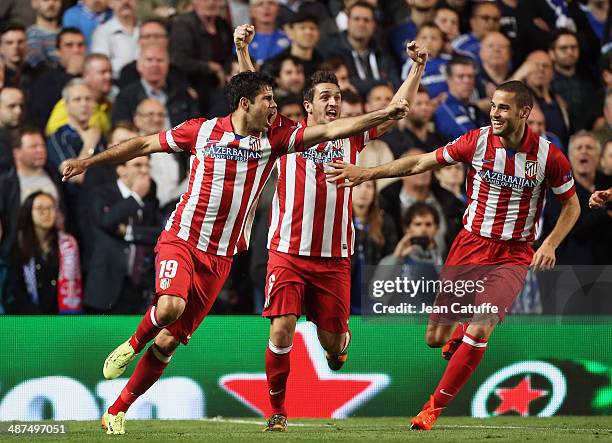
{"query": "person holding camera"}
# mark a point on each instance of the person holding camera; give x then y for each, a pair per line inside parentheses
(415, 256)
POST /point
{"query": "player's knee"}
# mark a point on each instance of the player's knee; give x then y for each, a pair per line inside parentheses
(281, 337)
(166, 342)
(169, 309)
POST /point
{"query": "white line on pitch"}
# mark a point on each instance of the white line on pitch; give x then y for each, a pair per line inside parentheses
(263, 423)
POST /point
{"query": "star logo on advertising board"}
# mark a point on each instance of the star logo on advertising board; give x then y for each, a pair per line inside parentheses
(518, 398)
(502, 394)
(313, 390)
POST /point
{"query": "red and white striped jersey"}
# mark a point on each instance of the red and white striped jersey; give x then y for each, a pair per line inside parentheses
(227, 175)
(310, 216)
(505, 187)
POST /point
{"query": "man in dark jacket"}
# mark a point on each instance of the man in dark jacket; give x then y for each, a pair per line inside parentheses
(201, 44)
(125, 226)
(153, 65)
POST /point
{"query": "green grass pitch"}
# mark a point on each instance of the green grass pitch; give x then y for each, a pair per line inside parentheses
(499, 429)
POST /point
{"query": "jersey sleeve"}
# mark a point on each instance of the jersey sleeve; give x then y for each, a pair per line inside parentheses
(460, 150)
(287, 139)
(559, 174)
(182, 137)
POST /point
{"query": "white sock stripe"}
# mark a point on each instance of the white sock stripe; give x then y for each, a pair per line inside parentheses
(347, 341)
(161, 357)
(278, 350)
(153, 320)
(474, 343)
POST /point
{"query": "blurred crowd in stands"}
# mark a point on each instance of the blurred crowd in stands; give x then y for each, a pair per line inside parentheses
(79, 77)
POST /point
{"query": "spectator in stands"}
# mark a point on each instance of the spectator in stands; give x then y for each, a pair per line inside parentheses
(42, 35)
(447, 20)
(167, 171)
(126, 224)
(288, 73)
(118, 37)
(162, 9)
(485, 18)
(495, 64)
(77, 138)
(291, 106)
(97, 74)
(417, 126)
(452, 178)
(201, 46)
(537, 72)
(537, 123)
(341, 70)
(269, 40)
(574, 85)
(375, 238)
(30, 153)
(303, 32)
(48, 86)
(352, 104)
(605, 81)
(150, 31)
(396, 198)
(589, 241)
(456, 115)
(368, 64)
(11, 117)
(153, 64)
(605, 164)
(462, 9)
(17, 11)
(13, 51)
(416, 255)
(87, 15)
(45, 274)
(431, 37)
(421, 11)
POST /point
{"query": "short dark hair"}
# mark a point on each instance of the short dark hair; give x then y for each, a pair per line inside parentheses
(479, 5)
(432, 25)
(361, 4)
(64, 31)
(275, 68)
(351, 97)
(559, 33)
(423, 90)
(315, 79)
(333, 64)
(302, 17)
(421, 209)
(522, 93)
(160, 21)
(246, 84)
(12, 26)
(458, 60)
(289, 99)
(18, 133)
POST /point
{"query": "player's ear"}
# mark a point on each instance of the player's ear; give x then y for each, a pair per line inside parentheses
(526, 111)
(244, 103)
(308, 107)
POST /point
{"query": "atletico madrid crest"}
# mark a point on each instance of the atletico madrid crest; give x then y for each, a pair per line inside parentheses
(531, 169)
(254, 143)
(164, 283)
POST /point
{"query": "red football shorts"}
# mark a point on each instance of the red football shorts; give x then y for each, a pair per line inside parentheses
(499, 267)
(193, 275)
(320, 287)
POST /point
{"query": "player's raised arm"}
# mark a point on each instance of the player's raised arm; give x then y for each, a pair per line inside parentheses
(349, 126)
(544, 257)
(349, 175)
(243, 36)
(129, 149)
(409, 88)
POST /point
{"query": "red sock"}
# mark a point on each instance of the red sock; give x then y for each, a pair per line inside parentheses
(148, 370)
(460, 368)
(277, 371)
(147, 330)
(459, 331)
